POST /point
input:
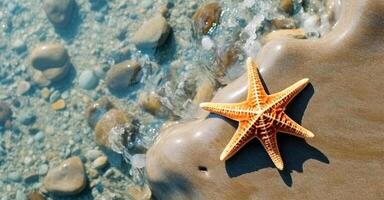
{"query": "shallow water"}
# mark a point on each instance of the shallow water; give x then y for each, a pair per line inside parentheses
(99, 35)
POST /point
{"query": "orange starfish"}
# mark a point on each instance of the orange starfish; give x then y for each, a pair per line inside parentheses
(261, 116)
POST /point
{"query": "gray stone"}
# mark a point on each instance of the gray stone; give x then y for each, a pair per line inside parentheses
(153, 33)
(20, 195)
(5, 112)
(39, 136)
(122, 75)
(14, 176)
(91, 155)
(43, 169)
(100, 162)
(88, 80)
(66, 179)
(59, 12)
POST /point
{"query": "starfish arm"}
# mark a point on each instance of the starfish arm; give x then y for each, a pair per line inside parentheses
(269, 141)
(286, 125)
(234, 111)
(256, 92)
(242, 136)
(282, 99)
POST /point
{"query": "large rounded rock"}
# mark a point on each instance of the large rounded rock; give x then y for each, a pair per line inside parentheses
(5, 113)
(206, 18)
(59, 12)
(66, 179)
(122, 75)
(153, 33)
(342, 106)
(50, 63)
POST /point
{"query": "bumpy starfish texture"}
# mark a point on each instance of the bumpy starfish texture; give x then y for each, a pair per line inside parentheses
(260, 116)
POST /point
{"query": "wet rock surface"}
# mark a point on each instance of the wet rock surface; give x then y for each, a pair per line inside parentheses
(66, 179)
(344, 116)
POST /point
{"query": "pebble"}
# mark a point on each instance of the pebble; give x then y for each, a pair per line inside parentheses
(45, 93)
(59, 12)
(88, 79)
(92, 173)
(122, 75)
(100, 162)
(58, 105)
(19, 46)
(66, 179)
(14, 176)
(23, 87)
(136, 192)
(27, 118)
(43, 169)
(92, 154)
(112, 125)
(54, 96)
(150, 102)
(153, 33)
(5, 112)
(206, 18)
(39, 137)
(51, 63)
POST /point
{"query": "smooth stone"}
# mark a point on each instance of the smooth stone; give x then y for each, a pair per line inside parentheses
(5, 112)
(152, 34)
(100, 162)
(45, 93)
(14, 176)
(43, 169)
(66, 179)
(54, 96)
(27, 118)
(51, 62)
(150, 102)
(23, 87)
(122, 75)
(58, 105)
(112, 128)
(59, 12)
(39, 137)
(88, 80)
(206, 18)
(91, 155)
(342, 106)
(284, 33)
(47, 56)
(19, 46)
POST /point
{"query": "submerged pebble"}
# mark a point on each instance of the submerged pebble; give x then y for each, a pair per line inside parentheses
(88, 80)
(122, 75)
(153, 33)
(59, 12)
(67, 178)
(5, 112)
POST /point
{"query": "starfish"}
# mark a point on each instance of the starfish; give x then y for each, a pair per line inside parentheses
(260, 116)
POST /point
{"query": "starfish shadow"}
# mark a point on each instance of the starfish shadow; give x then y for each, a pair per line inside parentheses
(294, 151)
